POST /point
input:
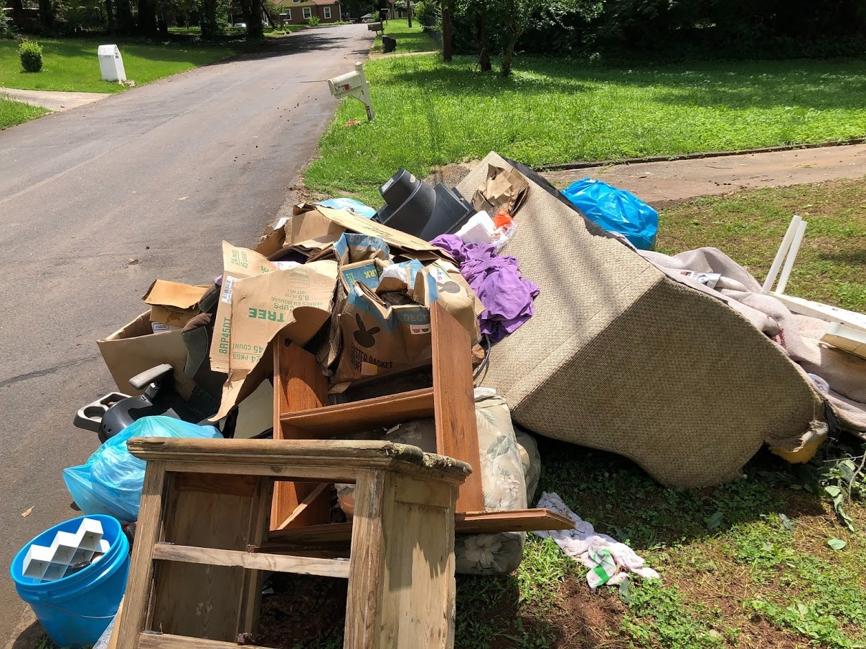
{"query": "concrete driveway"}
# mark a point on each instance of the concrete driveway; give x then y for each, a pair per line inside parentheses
(98, 201)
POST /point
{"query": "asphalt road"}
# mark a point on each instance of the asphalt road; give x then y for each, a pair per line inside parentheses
(160, 175)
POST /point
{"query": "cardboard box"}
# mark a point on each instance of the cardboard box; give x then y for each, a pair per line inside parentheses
(173, 303)
(134, 348)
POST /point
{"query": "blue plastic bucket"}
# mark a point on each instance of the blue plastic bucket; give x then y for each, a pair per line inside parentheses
(75, 610)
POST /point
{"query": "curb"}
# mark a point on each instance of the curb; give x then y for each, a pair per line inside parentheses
(696, 156)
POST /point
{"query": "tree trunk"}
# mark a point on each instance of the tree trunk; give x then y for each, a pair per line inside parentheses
(46, 13)
(109, 15)
(447, 30)
(146, 18)
(253, 18)
(483, 46)
(508, 53)
(162, 25)
(124, 16)
(17, 11)
(208, 19)
(409, 12)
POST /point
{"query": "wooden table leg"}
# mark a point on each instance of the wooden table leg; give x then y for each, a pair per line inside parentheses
(134, 614)
(401, 582)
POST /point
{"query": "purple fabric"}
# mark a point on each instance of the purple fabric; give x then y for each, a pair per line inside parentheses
(506, 295)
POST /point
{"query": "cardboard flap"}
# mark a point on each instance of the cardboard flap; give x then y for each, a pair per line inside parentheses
(174, 294)
(369, 227)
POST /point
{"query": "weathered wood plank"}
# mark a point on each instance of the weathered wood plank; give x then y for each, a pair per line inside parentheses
(252, 560)
(134, 613)
(456, 427)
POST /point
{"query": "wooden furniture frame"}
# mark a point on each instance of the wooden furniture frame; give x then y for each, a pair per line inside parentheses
(204, 505)
(301, 510)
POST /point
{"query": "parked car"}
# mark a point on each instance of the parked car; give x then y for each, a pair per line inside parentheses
(366, 18)
(240, 25)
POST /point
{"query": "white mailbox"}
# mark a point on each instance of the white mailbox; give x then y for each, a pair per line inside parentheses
(111, 63)
(353, 84)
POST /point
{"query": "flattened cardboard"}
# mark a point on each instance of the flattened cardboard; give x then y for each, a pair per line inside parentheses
(134, 348)
(238, 263)
(418, 248)
(296, 301)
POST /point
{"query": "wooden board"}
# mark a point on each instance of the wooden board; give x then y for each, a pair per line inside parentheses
(169, 641)
(298, 385)
(520, 520)
(418, 587)
(456, 427)
(199, 600)
(252, 560)
(358, 416)
(134, 613)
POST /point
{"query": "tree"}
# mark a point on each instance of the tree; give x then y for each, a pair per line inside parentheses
(252, 10)
(46, 13)
(519, 15)
(447, 30)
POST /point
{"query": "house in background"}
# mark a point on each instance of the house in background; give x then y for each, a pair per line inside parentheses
(298, 12)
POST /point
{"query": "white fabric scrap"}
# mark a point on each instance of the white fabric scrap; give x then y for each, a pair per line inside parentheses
(583, 544)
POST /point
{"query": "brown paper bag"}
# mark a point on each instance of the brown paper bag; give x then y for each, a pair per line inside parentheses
(501, 190)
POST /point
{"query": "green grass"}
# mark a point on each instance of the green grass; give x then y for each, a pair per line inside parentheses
(748, 226)
(71, 63)
(413, 39)
(554, 111)
(14, 112)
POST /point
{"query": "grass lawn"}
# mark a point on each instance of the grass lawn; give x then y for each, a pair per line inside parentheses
(409, 39)
(14, 112)
(71, 63)
(429, 113)
(748, 226)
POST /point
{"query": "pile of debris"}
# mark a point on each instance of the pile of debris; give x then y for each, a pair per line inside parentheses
(449, 323)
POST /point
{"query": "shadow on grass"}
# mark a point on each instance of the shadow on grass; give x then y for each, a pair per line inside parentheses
(620, 499)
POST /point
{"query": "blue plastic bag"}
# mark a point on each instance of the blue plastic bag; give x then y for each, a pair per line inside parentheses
(110, 481)
(355, 207)
(615, 210)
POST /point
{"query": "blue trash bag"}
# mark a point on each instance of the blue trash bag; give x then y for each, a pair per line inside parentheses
(110, 481)
(615, 210)
(355, 207)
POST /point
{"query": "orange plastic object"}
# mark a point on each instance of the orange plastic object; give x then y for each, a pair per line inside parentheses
(502, 219)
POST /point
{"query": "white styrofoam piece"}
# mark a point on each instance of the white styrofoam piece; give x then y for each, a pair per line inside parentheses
(63, 547)
(82, 555)
(847, 338)
(51, 563)
(36, 561)
(89, 534)
(55, 571)
(478, 229)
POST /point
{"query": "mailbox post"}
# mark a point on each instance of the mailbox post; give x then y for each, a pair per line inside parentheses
(353, 84)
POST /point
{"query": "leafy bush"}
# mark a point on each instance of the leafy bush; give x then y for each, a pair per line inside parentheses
(30, 53)
(312, 21)
(427, 13)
